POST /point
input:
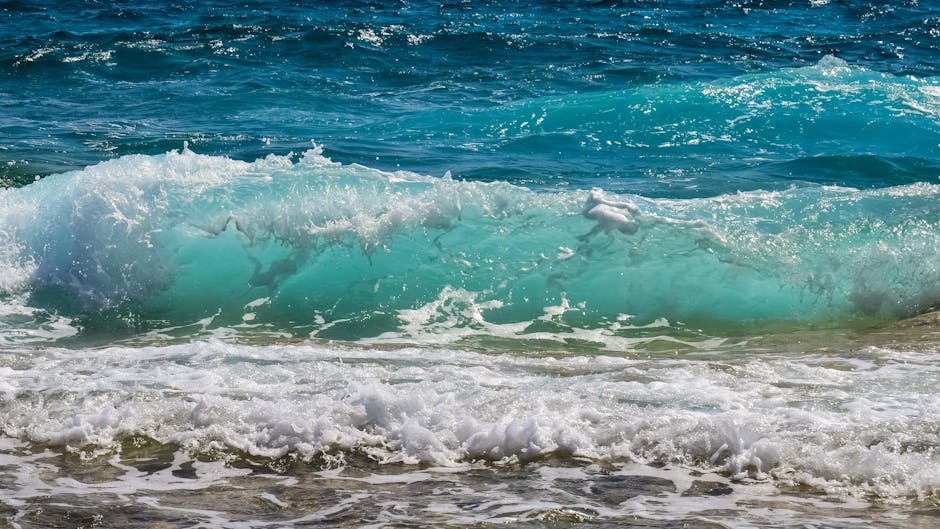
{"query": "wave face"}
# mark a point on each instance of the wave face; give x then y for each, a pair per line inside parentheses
(311, 246)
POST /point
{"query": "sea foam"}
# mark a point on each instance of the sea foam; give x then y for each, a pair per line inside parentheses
(859, 427)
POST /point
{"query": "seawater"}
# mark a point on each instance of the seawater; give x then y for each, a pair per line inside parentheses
(456, 264)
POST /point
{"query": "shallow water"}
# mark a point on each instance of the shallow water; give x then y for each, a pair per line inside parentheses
(768, 432)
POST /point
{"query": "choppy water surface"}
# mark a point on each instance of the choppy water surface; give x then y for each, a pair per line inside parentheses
(624, 264)
(774, 432)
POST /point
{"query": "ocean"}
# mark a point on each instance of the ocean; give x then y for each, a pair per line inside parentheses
(470, 264)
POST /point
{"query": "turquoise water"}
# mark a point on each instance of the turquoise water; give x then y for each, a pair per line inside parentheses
(313, 247)
(469, 264)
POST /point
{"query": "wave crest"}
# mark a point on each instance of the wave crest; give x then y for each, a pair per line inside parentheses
(182, 236)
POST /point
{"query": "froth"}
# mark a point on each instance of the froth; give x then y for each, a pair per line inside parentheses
(859, 428)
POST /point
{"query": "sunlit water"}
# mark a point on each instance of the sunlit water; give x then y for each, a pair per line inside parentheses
(469, 265)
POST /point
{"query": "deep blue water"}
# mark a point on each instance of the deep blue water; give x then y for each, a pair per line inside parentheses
(433, 87)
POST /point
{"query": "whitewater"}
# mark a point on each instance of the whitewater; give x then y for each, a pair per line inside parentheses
(355, 265)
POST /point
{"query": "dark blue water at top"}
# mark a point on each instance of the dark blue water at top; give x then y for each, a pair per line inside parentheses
(662, 99)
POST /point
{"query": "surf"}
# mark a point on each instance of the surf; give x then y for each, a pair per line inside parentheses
(302, 242)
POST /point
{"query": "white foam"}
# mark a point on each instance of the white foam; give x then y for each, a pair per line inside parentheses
(789, 419)
(458, 314)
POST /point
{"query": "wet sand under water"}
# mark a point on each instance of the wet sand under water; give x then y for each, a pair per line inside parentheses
(154, 491)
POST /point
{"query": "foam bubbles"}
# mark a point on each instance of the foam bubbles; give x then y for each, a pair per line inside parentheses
(785, 419)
